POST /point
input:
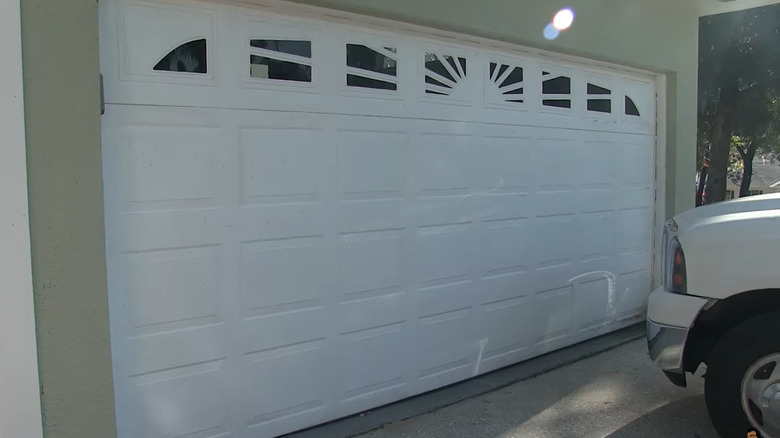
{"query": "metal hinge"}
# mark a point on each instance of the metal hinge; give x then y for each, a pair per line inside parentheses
(102, 97)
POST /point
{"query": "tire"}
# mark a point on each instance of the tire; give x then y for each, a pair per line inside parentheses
(733, 355)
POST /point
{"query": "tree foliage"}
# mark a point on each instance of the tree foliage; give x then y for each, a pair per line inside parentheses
(739, 75)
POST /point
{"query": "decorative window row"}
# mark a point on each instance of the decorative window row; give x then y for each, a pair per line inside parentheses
(376, 67)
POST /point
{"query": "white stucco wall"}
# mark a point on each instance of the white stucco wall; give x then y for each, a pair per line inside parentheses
(20, 409)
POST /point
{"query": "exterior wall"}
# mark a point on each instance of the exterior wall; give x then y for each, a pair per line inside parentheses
(20, 406)
(62, 109)
(64, 158)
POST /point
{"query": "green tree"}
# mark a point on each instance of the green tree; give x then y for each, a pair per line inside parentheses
(755, 129)
(739, 54)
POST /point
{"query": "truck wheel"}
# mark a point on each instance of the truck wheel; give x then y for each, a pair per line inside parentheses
(742, 383)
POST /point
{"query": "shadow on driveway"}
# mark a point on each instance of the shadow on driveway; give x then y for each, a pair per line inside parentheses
(616, 394)
(682, 418)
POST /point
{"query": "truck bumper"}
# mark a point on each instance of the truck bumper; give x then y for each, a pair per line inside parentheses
(666, 345)
(669, 318)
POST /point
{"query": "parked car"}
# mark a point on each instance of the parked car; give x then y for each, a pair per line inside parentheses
(720, 306)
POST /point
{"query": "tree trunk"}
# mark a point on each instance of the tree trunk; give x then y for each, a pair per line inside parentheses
(747, 170)
(719, 159)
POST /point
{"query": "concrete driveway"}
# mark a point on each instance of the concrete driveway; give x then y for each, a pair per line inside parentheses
(615, 394)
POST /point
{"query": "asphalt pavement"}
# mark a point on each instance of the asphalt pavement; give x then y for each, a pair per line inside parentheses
(615, 394)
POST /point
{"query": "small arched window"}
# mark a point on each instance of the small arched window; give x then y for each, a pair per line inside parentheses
(631, 108)
(189, 57)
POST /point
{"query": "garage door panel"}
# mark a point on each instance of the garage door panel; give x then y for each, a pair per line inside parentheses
(442, 253)
(440, 368)
(377, 395)
(176, 349)
(633, 235)
(634, 261)
(373, 162)
(173, 286)
(597, 235)
(603, 165)
(445, 347)
(631, 288)
(282, 164)
(171, 230)
(291, 328)
(299, 419)
(555, 277)
(432, 211)
(498, 205)
(373, 215)
(631, 198)
(642, 94)
(369, 313)
(555, 202)
(555, 240)
(505, 163)
(598, 200)
(149, 31)
(443, 161)
(589, 267)
(506, 326)
(554, 165)
(281, 221)
(499, 360)
(446, 375)
(289, 272)
(596, 301)
(441, 299)
(193, 155)
(554, 314)
(304, 396)
(634, 157)
(574, 152)
(505, 285)
(631, 293)
(370, 261)
(374, 361)
(506, 245)
(183, 402)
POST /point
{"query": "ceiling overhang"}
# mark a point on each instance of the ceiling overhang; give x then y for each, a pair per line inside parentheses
(712, 7)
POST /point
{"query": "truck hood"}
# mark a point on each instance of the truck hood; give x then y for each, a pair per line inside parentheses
(691, 218)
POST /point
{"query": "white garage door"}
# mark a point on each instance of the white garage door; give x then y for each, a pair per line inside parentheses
(308, 218)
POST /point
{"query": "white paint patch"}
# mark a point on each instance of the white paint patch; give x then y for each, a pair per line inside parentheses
(481, 344)
(611, 298)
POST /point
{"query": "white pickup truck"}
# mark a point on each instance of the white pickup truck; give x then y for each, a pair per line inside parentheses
(720, 305)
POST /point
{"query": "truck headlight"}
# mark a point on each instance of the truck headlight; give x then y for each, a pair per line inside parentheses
(676, 279)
